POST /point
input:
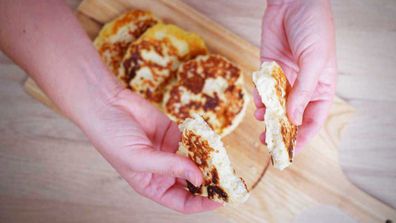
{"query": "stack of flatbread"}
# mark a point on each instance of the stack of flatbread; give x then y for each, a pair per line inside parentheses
(172, 68)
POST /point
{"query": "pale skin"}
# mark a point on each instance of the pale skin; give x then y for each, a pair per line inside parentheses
(46, 40)
(299, 35)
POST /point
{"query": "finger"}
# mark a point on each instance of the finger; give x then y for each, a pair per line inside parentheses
(181, 182)
(164, 163)
(171, 138)
(314, 117)
(262, 138)
(259, 114)
(257, 99)
(304, 86)
(179, 199)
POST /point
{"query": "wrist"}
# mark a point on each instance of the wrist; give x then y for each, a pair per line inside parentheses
(91, 90)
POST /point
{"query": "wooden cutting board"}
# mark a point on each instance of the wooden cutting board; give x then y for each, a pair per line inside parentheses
(314, 179)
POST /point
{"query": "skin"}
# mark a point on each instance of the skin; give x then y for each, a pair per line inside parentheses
(299, 36)
(46, 40)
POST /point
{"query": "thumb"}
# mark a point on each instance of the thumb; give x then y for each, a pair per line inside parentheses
(165, 163)
(303, 88)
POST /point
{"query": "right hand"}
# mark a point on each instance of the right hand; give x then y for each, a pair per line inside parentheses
(299, 36)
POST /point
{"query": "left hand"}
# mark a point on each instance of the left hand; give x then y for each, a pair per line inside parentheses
(140, 142)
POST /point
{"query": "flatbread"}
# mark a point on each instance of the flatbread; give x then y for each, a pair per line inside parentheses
(203, 146)
(151, 62)
(116, 35)
(209, 85)
(273, 88)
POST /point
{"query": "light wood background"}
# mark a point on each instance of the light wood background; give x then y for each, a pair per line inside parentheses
(36, 144)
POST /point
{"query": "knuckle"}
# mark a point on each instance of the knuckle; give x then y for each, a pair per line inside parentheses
(304, 94)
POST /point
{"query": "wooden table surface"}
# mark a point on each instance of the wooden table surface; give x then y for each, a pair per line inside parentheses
(50, 172)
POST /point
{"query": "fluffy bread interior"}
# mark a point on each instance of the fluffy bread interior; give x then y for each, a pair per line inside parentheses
(202, 145)
(272, 84)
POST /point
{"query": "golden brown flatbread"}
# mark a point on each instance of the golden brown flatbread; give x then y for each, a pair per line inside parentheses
(209, 85)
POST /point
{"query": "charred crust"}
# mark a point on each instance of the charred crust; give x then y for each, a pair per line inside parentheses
(289, 134)
(193, 189)
(244, 183)
(217, 192)
(199, 150)
(131, 65)
(215, 176)
(281, 84)
(142, 26)
(211, 102)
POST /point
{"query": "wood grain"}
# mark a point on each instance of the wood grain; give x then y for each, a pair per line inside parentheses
(34, 189)
(311, 187)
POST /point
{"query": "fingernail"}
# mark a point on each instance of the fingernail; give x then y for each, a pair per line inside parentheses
(191, 177)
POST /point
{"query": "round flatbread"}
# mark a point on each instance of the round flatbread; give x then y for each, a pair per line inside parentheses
(151, 62)
(116, 35)
(211, 86)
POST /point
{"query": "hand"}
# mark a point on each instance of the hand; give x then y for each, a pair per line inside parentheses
(299, 35)
(138, 140)
(140, 143)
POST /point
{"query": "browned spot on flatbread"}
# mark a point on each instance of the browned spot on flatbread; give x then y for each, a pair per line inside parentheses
(131, 65)
(214, 188)
(142, 26)
(193, 189)
(134, 61)
(289, 134)
(117, 52)
(215, 176)
(191, 79)
(199, 148)
(217, 192)
(211, 102)
(281, 84)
